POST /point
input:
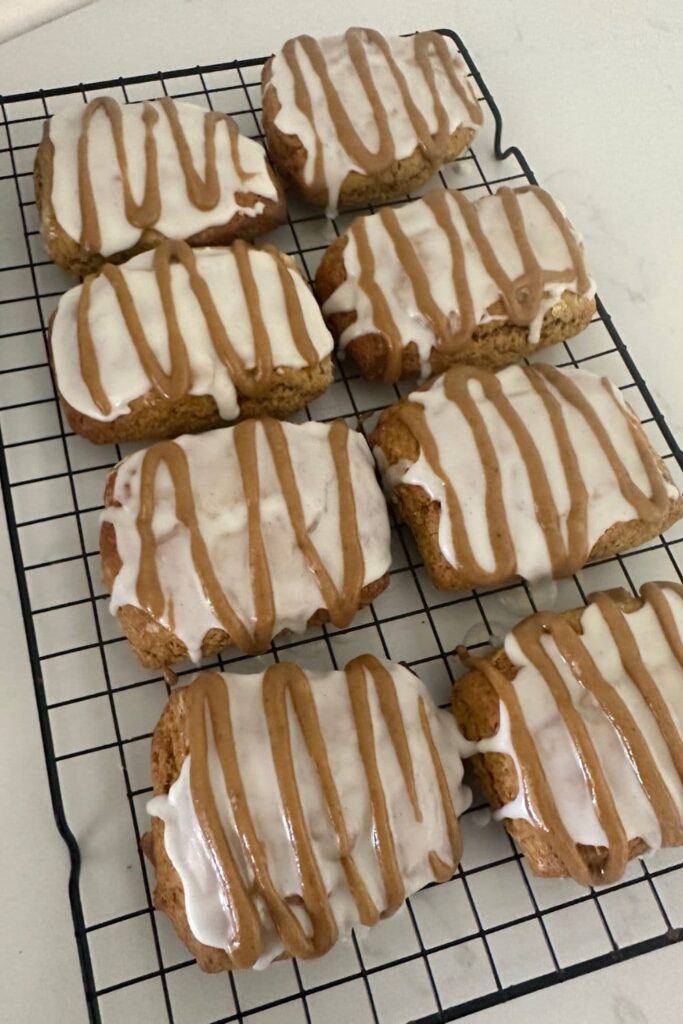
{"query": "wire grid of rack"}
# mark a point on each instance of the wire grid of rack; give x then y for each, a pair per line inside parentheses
(493, 932)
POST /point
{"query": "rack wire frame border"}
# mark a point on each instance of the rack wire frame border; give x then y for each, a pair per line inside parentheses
(502, 994)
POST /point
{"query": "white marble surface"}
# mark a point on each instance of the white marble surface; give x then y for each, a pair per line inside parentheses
(634, 992)
(591, 93)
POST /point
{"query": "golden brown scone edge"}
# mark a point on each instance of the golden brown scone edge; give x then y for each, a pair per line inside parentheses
(154, 417)
(169, 749)
(476, 709)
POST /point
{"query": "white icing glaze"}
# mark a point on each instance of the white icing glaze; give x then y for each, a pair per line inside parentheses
(180, 218)
(553, 741)
(207, 910)
(121, 371)
(222, 516)
(418, 223)
(501, 742)
(321, 139)
(189, 853)
(463, 466)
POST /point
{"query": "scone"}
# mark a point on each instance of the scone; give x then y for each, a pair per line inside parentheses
(114, 179)
(292, 806)
(409, 291)
(579, 729)
(180, 340)
(531, 471)
(234, 536)
(358, 118)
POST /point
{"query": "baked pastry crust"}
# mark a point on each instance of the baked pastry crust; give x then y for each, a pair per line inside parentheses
(169, 750)
(396, 177)
(114, 325)
(493, 345)
(156, 635)
(396, 445)
(154, 644)
(477, 709)
(490, 337)
(154, 417)
(68, 253)
(432, 778)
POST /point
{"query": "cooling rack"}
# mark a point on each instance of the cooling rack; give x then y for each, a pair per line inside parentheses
(493, 932)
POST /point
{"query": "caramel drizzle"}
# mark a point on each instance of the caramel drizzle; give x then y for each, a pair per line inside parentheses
(521, 296)
(442, 871)
(566, 557)
(205, 697)
(286, 688)
(357, 40)
(203, 193)
(249, 382)
(538, 796)
(655, 595)
(341, 603)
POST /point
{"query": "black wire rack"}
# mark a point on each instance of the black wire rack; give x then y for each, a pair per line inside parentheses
(493, 932)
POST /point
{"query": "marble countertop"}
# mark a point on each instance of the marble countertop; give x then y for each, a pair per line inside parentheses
(591, 93)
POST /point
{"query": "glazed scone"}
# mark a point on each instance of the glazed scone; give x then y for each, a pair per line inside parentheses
(112, 180)
(358, 118)
(409, 291)
(339, 797)
(231, 537)
(531, 471)
(180, 340)
(579, 727)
